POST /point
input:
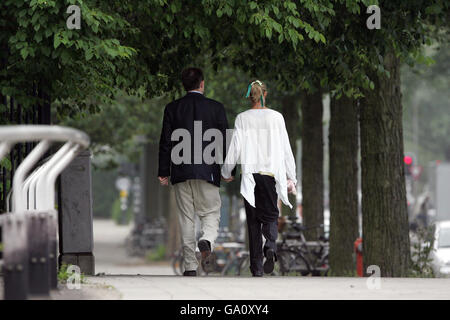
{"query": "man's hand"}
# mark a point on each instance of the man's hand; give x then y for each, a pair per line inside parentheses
(228, 179)
(164, 181)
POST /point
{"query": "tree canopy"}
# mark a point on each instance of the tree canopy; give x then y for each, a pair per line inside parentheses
(128, 45)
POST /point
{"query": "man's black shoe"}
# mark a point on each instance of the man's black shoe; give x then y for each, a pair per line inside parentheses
(190, 273)
(208, 259)
(270, 263)
(257, 274)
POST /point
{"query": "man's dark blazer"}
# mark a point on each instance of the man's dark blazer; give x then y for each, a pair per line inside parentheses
(182, 113)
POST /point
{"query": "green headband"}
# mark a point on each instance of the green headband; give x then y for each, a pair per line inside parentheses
(250, 88)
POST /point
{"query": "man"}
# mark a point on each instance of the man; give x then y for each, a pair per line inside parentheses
(195, 182)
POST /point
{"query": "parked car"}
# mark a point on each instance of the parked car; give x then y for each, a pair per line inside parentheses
(441, 253)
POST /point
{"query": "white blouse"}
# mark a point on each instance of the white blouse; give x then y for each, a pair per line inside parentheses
(260, 143)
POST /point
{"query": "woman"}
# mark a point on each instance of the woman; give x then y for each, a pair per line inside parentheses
(260, 144)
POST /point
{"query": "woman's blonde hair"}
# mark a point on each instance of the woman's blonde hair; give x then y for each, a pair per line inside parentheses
(256, 91)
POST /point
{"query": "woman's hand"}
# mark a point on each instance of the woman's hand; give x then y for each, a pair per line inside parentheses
(228, 179)
(291, 187)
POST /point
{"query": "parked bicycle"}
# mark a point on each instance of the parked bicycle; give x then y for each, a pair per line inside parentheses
(237, 260)
(177, 262)
(296, 255)
(145, 237)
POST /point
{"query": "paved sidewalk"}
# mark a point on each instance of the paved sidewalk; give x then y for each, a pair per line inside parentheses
(111, 257)
(271, 288)
(124, 277)
(137, 287)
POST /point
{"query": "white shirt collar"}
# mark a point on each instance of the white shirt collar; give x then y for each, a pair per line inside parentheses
(195, 91)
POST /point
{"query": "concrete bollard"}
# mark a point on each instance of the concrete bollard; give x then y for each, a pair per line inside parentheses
(75, 215)
(15, 256)
(38, 247)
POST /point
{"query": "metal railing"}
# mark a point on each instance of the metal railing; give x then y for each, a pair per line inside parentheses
(30, 227)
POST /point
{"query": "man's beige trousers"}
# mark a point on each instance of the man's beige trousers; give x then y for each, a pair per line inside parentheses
(201, 198)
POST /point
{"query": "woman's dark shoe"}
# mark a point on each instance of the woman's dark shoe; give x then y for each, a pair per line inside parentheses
(208, 258)
(192, 273)
(269, 264)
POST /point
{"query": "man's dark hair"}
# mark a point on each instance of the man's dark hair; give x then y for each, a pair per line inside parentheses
(191, 78)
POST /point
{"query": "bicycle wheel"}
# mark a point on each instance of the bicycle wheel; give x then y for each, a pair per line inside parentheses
(227, 269)
(292, 261)
(322, 269)
(200, 271)
(244, 266)
(177, 263)
(132, 247)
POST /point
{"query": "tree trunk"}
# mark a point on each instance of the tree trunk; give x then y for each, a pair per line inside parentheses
(343, 148)
(312, 163)
(385, 218)
(153, 203)
(170, 219)
(291, 117)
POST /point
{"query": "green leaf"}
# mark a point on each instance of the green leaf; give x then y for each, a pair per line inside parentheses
(88, 55)
(22, 13)
(46, 51)
(5, 162)
(38, 37)
(433, 9)
(35, 17)
(95, 27)
(322, 38)
(24, 53)
(316, 37)
(113, 53)
(278, 27)
(21, 35)
(56, 41)
(275, 9)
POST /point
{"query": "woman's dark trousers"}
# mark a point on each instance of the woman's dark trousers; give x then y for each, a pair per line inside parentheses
(262, 220)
